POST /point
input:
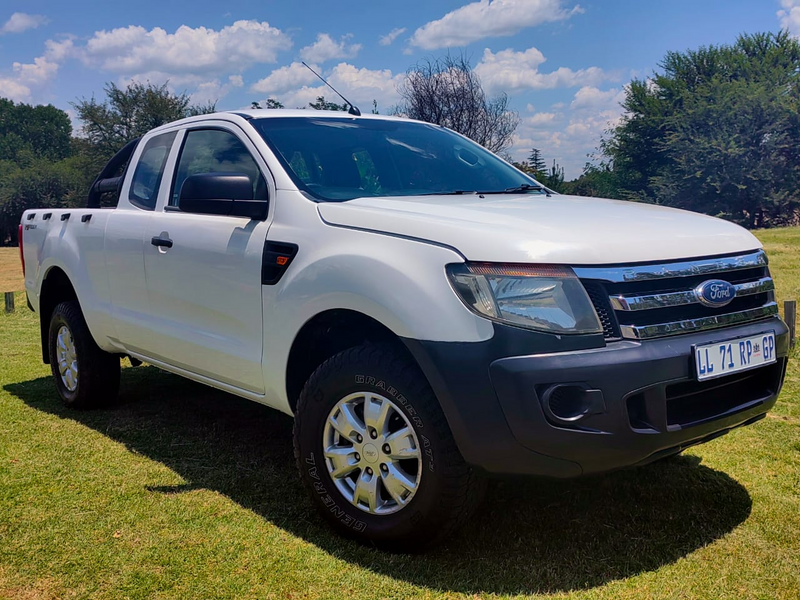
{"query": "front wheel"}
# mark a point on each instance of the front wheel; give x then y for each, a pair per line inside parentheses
(85, 375)
(376, 453)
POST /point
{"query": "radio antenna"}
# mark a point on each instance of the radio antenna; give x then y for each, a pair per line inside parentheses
(353, 110)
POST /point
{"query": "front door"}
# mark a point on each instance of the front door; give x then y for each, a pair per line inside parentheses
(203, 271)
(124, 241)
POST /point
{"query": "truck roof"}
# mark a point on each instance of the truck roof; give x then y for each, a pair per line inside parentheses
(305, 112)
(272, 113)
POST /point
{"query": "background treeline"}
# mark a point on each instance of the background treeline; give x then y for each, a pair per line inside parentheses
(714, 130)
(42, 164)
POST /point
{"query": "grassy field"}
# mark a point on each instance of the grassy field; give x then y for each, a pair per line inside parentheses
(10, 271)
(179, 491)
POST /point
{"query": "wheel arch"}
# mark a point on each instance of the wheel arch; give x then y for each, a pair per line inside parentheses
(325, 335)
(56, 288)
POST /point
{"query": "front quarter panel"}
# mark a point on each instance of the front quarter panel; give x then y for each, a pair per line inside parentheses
(401, 283)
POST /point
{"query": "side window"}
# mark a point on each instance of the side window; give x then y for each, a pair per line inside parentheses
(216, 151)
(149, 171)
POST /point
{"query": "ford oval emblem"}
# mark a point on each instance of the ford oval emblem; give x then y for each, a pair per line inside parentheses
(715, 293)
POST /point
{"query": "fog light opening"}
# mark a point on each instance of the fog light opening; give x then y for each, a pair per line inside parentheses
(569, 403)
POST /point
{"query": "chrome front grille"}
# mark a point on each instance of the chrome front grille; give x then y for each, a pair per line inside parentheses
(658, 300)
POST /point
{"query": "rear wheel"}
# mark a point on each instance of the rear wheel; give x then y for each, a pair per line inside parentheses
(376, 453)
(85, 375)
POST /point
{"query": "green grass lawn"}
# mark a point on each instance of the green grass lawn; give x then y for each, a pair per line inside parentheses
(179, 491)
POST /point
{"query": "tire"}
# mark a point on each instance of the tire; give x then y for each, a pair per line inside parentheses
(92, 379)
(447, 490)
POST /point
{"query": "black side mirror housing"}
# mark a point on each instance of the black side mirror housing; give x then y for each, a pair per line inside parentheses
(228, 194)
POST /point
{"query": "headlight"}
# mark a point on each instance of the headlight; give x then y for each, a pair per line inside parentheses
(541, 297)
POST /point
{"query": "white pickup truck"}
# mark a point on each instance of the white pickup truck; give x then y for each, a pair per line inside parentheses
(428, 313)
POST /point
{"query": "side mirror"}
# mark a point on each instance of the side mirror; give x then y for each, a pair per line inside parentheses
(229, 194)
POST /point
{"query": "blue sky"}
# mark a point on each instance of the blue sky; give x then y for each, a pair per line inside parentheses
(563, 63)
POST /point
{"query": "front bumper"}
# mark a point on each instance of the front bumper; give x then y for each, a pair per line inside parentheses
(650, 405)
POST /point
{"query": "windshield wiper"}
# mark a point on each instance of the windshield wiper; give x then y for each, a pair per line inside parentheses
(525, 187)
(453, 193)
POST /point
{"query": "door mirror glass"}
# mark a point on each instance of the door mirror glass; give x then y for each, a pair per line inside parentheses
(228, 194)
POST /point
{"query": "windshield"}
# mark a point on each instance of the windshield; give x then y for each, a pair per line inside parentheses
(339, 159)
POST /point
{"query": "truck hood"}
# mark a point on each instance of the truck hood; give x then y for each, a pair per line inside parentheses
(534, 228)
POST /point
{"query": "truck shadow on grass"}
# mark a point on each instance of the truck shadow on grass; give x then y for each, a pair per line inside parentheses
(529, 535)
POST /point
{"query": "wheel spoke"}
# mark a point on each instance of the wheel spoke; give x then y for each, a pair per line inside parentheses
(342, 461)
(397, 483)
(376, 412)
(367, 491)
(347, 423)
(401, 444)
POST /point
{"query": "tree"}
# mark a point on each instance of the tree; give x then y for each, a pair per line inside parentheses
(536, 162)
(131, 112)
(537, 168)
(446, 91)
(322, 104)
(554, 178)
(35, 168)
(718, 131)
(270, 103)
(29, 132)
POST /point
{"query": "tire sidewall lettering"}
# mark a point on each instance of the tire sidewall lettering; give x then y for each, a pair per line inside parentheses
(391, 391)
(327, 500)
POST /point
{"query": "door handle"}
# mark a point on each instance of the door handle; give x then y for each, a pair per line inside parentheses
(161, 242)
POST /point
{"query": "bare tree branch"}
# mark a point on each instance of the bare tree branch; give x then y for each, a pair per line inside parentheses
(446, 91)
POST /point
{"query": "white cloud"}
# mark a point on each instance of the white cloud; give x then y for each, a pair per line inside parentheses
(509, 71)
(198, 51)
(326, 48)
(361, 86)
(77, 124)
(790, 16)
(595, 99)
(212, 91)
(386, 40)
(20, 22)
(14, 90)
(570, 137)
(489, 18)
(58, 51)
(30, 77)
(38, 72)
(540, 119)
(200, 88)
(284, 79)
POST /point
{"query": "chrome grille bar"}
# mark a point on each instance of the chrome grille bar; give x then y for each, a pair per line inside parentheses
(643, 332)
(627, 303)
(704, 266)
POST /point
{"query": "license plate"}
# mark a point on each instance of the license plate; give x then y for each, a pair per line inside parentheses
(733, 356)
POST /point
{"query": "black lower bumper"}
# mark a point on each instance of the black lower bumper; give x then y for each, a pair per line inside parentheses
(646, 401)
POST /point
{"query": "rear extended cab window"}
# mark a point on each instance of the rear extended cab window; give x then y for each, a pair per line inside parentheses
(150, 170)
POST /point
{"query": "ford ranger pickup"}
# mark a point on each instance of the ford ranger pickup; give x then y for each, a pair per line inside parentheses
(429, 314)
